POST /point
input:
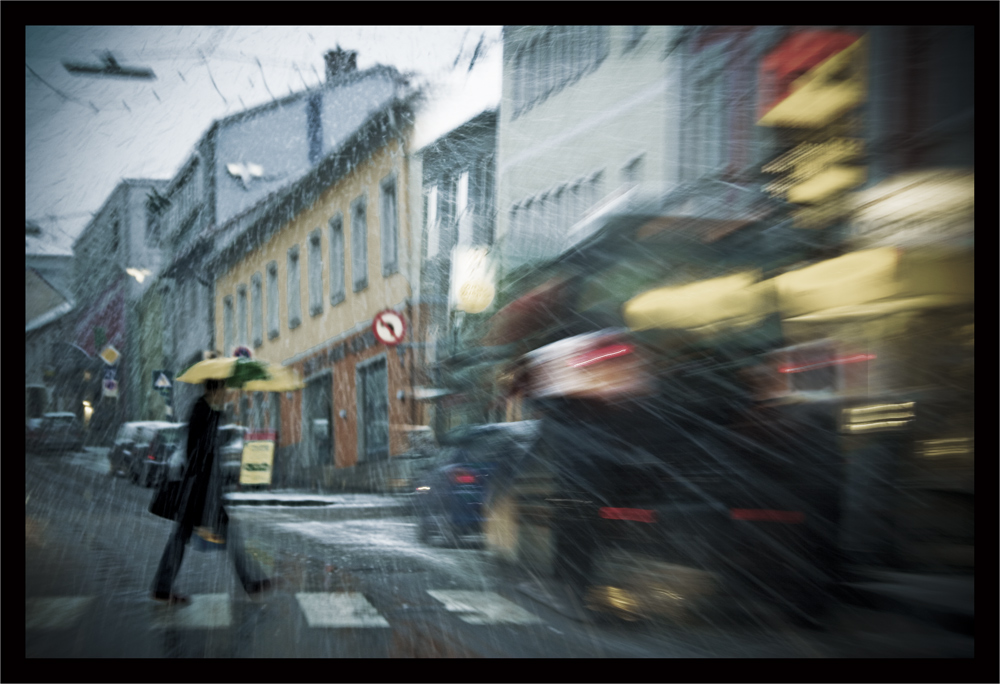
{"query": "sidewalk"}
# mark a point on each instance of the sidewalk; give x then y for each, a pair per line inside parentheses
(360, 505)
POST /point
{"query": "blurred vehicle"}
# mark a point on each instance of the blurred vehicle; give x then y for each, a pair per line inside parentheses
(131, 437)
(231, 438)
(661, 475)
(149, 462)
(449, 494)
(31, 426)
(58, 431)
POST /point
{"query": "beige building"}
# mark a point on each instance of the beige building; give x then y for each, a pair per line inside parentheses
(300, 284)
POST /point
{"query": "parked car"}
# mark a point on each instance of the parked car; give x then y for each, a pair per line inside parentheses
(131, 437)
(148, 464)
(231, 452)
(449, 494)
(60, 431)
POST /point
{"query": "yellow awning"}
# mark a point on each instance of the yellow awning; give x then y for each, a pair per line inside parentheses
(849, 280)
(728, 302)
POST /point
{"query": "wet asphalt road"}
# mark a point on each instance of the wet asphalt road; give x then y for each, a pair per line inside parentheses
(356, 588)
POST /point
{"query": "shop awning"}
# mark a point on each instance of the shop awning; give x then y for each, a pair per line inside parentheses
(874, 283)
(707, 306)
(526, 315)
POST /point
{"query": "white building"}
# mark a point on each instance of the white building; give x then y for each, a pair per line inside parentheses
(586, 112)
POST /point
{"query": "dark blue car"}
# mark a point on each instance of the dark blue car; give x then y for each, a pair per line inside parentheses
(449, 495)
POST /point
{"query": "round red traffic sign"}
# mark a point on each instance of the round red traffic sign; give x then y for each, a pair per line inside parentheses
(389, 327)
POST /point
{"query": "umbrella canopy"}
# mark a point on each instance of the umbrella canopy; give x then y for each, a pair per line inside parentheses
(247, 374)
(282, 379)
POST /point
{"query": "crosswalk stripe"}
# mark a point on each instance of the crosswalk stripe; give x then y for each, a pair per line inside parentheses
(206, 611)
(339, 609)
(55, 612)
(483, 607)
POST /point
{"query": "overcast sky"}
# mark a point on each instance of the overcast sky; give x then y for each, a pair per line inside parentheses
(83, 134)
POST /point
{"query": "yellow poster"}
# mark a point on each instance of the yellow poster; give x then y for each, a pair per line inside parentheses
(258, 458)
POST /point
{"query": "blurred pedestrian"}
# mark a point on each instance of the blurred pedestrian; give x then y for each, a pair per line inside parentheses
(201, 503)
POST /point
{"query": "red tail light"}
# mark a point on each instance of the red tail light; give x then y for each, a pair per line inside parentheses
(636, 514)
(759, 515)
(463, 477)
(150, 456)
(602, 354)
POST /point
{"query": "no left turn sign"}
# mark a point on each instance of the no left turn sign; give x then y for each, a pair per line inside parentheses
(389, 327)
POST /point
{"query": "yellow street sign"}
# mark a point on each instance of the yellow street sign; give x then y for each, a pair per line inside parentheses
(110, 355)
(258, 458)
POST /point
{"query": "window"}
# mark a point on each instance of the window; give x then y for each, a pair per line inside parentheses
(241, 315)
(463, 211)
(632, 171)
(257, 310)
(431, 214)
(373, 409)
(388, 220)
(315, 274)
(293, 294)
(272, 300)
(359, 245)
(115, 235)
(227, 326)
(336, 260)
(314, 127)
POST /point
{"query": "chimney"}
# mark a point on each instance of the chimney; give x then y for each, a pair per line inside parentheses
(340, 62)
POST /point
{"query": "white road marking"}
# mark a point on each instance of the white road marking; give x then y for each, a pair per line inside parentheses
(340, 609)
(55, 612)
(483, 607)
(206, 611)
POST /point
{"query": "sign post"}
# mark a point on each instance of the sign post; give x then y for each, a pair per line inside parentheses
(110, 384)
(163, 383)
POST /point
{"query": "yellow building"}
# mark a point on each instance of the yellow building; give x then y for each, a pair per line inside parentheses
(301, 279)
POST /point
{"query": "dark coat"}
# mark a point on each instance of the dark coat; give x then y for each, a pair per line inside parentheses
(201, 503)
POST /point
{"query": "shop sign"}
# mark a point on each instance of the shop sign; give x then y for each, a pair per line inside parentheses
(811, 79)
(257, 462)
(920, 208)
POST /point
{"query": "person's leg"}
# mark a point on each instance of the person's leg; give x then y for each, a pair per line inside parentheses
(170, 561)
(248, 570)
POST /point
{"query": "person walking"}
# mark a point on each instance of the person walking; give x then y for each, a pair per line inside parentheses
(201, 503)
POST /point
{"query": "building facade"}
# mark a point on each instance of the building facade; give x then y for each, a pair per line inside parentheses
(458, 217)
(112, 256)
(586, 112)
(239, 165)
(304, 292)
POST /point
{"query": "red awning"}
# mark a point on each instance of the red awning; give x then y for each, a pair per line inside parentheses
(527, 314)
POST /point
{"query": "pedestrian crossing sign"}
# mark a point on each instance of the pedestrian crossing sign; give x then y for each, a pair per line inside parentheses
(161, 382)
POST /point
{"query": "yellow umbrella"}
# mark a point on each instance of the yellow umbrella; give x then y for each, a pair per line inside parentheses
(251, 375)
(283, 379)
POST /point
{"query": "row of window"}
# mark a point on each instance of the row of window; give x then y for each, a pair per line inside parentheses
(553, 59)
(543, 222)
(464, 200)
(359, 272)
